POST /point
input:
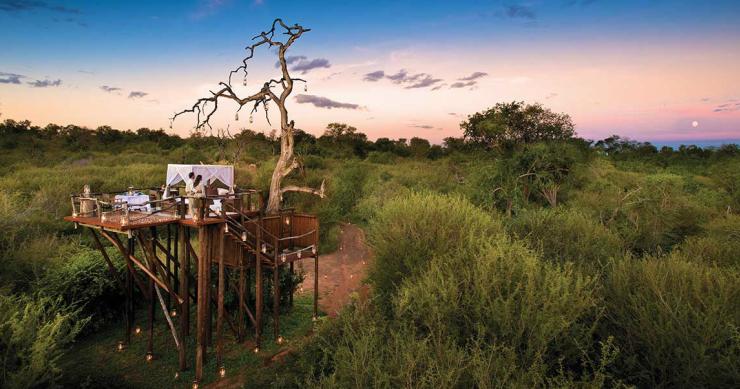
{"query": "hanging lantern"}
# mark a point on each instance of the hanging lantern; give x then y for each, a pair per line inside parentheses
(264, 249)
(222, 372)
(177, 374)
(280, 340)
(251, 119)
(236, 117)
(299, 254)
(287, 220)
(244, 236)
(137, 331)
(282, 258)
(195, 385)
(256, 350)
(313, 250)
(149, 357)
(120, 346)
(305, 87)
(173, 313)
(226, 228)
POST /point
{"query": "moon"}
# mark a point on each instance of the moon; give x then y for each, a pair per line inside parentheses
(694, 124)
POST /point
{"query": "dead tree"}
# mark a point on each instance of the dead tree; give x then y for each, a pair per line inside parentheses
(204, 108)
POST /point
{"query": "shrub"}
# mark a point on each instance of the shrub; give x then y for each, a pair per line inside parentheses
(504, 296)
(33, 335)
(719, 244)
(410, 229)
(468, 308)
(85, 281)
(567, 235)
(676, 321)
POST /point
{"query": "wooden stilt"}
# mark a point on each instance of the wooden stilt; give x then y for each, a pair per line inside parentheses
(209, 261)
(276, 293)
(316, 285)
(203, 303)
(128, 305)
(168, 265)
(185, 295)
(150, 307)
(258, 285)
(220, 303)
(242, 287)
(290, 284)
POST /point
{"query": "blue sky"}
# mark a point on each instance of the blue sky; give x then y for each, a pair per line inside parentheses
(645, 69)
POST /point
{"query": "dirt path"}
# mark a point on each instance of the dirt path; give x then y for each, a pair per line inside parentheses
(341, 272)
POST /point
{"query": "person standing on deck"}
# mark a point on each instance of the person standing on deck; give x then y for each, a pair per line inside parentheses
(189, 184)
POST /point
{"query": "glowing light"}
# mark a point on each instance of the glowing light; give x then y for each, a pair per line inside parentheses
(256, 350)
(149, 357)
(195, 385)
(222, 372)
(280, 340)
(137, 331)
(314, 318)
(694, 124)
(287, 220)
(173, 313)
(177, 375)
(120, 346)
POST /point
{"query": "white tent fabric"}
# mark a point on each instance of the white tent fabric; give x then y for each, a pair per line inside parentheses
(177, 173)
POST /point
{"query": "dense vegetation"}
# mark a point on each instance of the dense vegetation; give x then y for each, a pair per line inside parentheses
(502, 258)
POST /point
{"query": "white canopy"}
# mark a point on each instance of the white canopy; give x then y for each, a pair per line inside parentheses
(178, 173)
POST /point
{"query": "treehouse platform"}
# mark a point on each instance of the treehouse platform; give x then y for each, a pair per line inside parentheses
(182, 250)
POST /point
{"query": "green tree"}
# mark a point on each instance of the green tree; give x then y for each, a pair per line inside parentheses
(510, 124)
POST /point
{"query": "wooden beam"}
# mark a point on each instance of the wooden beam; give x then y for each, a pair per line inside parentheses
(220, 303)
(258, 286)
(126, 257)
(202, 290)
(111, 267)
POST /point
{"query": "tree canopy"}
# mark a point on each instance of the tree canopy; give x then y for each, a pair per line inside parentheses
(510, 124)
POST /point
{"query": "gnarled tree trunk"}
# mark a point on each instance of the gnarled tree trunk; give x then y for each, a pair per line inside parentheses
(287, 161)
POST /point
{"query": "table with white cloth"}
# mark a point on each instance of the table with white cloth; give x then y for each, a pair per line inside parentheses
(136, 202)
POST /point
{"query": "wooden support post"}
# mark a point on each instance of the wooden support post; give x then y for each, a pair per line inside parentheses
(129, 304)
(176, 257)
(168, 265)
(220, 303)
(209, 292)
(276, 292)
(150, 307)
(242, 286)
(316, 284)
(290, 285)
(258, 284)
(184, 294)
(203, 303)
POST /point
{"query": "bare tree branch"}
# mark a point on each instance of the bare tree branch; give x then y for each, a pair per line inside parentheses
(287, 161)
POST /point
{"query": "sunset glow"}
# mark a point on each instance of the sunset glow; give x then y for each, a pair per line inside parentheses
(657, 71)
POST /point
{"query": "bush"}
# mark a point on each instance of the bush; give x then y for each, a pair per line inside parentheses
(718, 245)
(34, 333)
(410, 229)
(468, 308)
(677, 322)
(567, 235)
(85, 281)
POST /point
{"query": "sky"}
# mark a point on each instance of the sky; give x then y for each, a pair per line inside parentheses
(650, 70)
